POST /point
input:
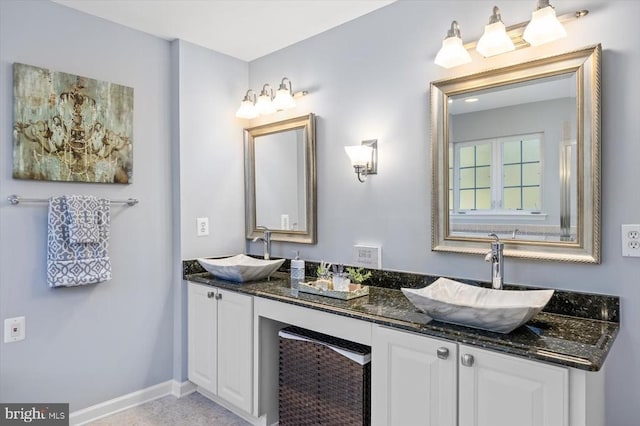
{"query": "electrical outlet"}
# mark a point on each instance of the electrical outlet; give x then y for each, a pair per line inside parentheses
(14, 329)
(203, 226)
(631, 240)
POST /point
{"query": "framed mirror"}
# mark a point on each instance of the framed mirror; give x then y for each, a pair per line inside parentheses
(280, 180)
(516, 152)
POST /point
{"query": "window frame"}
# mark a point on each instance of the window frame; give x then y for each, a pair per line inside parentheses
(496, 177)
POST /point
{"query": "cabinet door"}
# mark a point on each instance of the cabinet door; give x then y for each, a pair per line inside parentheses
(235, 349)
(501, 390)
(411, 384)
(202, 330)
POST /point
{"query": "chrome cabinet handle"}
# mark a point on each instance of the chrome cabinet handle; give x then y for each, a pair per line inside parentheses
(218, 296)
(443, 353)
(210, 294)
(467, 360)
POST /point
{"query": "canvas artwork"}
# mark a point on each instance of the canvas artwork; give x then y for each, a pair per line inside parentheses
(71, 128)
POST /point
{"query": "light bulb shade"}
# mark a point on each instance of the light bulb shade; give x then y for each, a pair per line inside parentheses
(360, 155)
(264, 105)
(544, 27)
(247, 110)
(452, 53)
(283, 100)
(494, 41)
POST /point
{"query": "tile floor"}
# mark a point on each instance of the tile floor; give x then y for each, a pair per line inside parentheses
(190, 410)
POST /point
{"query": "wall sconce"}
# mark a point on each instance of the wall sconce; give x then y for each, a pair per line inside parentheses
(364, 158)
(265, 103)
(544, 27)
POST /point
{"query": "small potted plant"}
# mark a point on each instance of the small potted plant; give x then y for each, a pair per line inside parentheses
(357, 277)
(324, 275)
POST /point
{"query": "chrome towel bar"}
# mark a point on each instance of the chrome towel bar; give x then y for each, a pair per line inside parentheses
(15, 199)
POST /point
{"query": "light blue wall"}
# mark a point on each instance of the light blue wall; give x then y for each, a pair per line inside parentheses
(369, 78)
(89, 344)
(208, 166)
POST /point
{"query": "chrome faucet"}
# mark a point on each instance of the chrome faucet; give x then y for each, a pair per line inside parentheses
(495, 256)
(266, 238)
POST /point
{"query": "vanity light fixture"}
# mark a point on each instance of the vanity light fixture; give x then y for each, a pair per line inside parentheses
(452, 53)
(266, 103)
(364, 158)
(495, 40)
(544, 27)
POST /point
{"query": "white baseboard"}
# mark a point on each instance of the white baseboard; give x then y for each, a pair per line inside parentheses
(121, 403)
(255, 421)
(182, 389)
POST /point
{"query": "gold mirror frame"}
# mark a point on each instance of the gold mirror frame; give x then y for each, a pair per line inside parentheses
(586, 65)
(305, 123)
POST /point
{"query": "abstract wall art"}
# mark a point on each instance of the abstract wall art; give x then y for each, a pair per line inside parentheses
(71, 128)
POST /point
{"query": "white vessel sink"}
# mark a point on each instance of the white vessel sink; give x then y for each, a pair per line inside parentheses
(240, 268)
(495, 310)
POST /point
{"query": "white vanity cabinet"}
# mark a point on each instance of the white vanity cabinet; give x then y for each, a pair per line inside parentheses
(220, 343)
(419, 380)
(495, 389)
(413, 379)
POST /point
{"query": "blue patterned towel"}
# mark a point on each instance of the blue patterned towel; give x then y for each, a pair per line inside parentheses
(82, 213)
(72, 264)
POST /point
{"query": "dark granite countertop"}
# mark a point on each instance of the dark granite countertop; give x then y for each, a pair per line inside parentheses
(570, 340)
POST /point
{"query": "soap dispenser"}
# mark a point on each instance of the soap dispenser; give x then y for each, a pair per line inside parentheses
(297, 273)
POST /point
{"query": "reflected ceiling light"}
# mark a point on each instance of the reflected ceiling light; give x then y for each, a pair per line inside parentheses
(495, 40)
(452, 53)
(470, 100)
(248, 106)
(544, 26)
(284, 96)
(364, 158)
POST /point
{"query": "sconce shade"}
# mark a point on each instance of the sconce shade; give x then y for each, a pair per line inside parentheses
(494, 41)
(452, 53)
(360, 155)
(248, 106)
(283, 100)
(264, 105)
(544, 27)
(247, 110)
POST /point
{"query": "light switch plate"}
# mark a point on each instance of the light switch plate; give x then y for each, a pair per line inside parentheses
(367, 256)
(14, 329)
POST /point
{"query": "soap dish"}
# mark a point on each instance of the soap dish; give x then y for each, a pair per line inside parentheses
(335, 294)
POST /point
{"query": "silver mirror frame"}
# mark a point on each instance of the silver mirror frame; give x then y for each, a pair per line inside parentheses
(307, 123)
(586, 64)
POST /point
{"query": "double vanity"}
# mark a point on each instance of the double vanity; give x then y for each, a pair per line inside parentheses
(546, 372)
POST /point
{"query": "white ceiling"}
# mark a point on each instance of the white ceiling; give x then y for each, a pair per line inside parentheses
(245, 29)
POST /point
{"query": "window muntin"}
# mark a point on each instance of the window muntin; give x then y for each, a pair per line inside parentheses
(496, 175)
